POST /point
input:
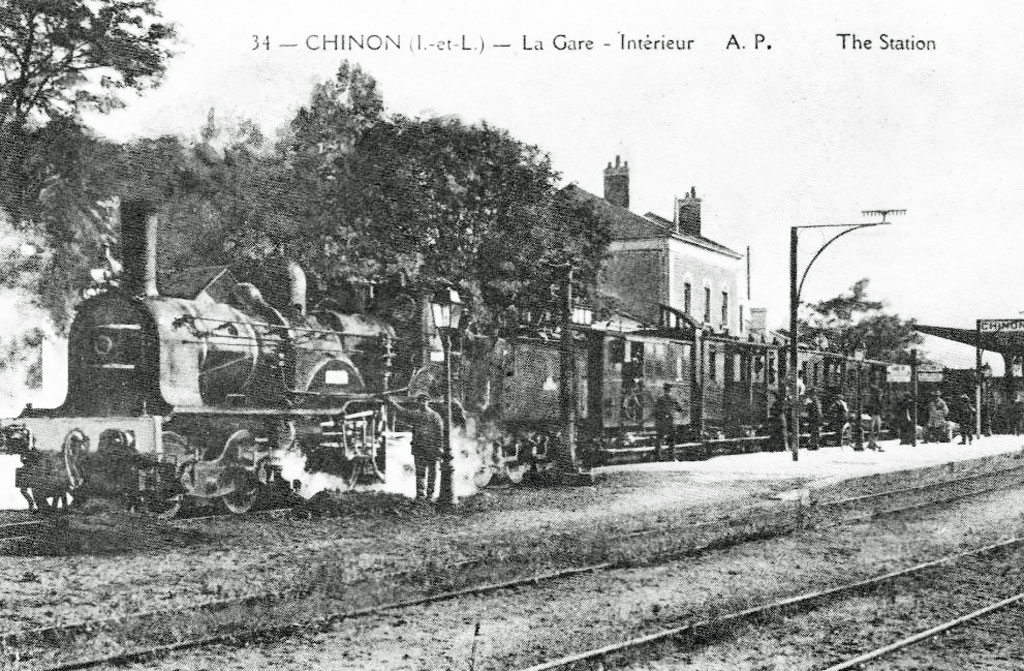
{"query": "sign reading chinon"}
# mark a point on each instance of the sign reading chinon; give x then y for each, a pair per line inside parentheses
(1001, 325)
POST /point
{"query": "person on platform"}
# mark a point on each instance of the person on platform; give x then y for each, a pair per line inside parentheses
(905, 419)
(965, 417)
(778, 422)
(937, 412)
(427, 439)
(1017, 414)
(665, 409)
(840, 412)
(815, 416)
(873, 407)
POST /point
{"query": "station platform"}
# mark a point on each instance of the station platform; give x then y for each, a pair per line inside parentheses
(830, 464)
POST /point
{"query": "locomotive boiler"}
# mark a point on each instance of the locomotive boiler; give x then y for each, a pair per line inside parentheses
(197, 389)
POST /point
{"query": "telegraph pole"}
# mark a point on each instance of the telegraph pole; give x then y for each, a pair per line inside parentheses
(913, 387)
(567, 386)
(793, 381)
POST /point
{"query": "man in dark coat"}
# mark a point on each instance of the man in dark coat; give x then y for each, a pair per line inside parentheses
(779, 424)
(427, 441)
(814, 419)
(665, 409)
(905, 419)
(966, 418)
(873, 407)
(1017, 414)
(840, 412)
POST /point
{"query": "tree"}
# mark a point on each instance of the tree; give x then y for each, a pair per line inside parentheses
(60, 57)
(851, 319)
(409, 203)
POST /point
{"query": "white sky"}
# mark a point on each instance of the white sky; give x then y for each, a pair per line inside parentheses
(805, 133)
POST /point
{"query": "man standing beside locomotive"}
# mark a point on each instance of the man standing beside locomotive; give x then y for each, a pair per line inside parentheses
(665, 409)
(427, 440)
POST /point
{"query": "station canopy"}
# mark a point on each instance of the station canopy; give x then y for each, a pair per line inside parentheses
(1004, 336)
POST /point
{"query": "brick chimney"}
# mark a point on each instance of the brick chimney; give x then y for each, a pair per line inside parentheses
(616, 183)
(687, 213)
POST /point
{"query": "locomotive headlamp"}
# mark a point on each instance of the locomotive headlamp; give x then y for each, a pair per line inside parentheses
(447, 308)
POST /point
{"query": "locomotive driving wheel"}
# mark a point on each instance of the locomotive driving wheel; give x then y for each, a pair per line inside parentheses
(240, 501)
(241, 445)
(163, 499)
(515, 471)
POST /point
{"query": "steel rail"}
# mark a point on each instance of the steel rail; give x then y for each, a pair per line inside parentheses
(798, 602)
(926, 634)
(251, 599)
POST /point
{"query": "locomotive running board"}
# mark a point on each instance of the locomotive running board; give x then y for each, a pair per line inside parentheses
(260, 412)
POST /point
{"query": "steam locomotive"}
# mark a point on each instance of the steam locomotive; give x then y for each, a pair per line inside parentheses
(196, 391)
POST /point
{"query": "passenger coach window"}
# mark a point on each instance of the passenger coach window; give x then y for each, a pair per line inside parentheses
(616, 351)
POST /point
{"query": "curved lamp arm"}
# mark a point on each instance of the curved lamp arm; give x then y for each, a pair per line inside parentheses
(853, 227)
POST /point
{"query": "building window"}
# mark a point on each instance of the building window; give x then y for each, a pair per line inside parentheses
(707, 305)
(725, 309)
(712, 363)
(741, 319)
(687, 298)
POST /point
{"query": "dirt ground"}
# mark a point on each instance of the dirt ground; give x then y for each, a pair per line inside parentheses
(113, 563)
(518, 628)
(110, 563)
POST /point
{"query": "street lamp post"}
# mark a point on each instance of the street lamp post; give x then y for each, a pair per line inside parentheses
(446, 307)
(795, 288)
(573, 315)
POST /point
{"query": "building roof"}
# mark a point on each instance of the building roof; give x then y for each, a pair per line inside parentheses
(699, 240)
(626, 225)
(1003, 342)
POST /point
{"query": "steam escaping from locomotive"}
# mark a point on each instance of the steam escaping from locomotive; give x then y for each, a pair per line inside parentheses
(30, 349)
(468, 458)
(32, 337)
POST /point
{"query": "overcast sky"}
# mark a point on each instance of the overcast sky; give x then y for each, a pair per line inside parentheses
(803, 133)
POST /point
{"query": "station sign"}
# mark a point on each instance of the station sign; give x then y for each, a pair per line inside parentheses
(1001, 325)
(897, 372)
(929, 375)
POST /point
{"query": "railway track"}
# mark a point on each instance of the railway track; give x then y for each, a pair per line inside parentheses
(697, 633)
(272, 601)
(927, 634)
(16, 536)
(268, 512)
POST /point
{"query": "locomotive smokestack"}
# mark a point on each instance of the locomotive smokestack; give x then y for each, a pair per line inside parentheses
(138, 247)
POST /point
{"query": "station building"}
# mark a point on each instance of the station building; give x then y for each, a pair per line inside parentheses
(657, 262)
